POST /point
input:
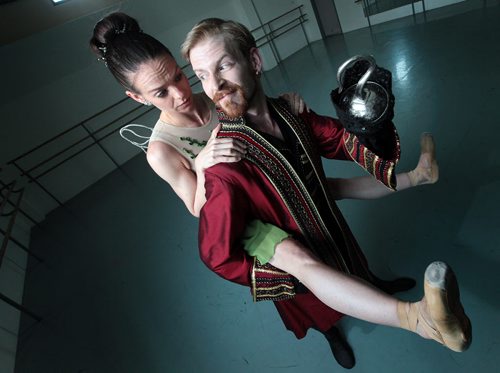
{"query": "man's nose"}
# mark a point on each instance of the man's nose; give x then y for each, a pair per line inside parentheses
(217, 83)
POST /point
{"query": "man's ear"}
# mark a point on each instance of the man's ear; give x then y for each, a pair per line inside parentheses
(256, 60)
(135, 96)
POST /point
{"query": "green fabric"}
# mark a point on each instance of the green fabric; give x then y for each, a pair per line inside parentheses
(260, 240)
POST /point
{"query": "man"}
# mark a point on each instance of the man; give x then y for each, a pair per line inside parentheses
(282, 182)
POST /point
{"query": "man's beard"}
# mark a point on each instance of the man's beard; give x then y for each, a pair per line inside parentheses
(235, 106)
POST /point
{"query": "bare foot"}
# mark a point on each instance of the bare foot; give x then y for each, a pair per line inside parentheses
(427, 170)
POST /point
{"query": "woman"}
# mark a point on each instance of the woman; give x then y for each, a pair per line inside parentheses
(184, 144)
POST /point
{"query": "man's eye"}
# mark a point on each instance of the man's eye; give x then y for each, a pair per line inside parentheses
(201, 77)
(161, 93)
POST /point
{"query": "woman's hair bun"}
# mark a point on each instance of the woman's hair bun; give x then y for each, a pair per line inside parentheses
(110, 27)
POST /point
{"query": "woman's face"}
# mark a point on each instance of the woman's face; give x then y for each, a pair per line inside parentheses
(162, 82)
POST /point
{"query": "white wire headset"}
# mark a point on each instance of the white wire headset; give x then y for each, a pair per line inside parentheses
(139, 138)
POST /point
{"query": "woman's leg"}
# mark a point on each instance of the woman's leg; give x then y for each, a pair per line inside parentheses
(366, 187)
(427, 170)
(439, 315)
(347, 294)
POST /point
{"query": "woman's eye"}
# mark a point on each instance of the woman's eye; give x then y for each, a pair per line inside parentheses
(161, 93)
(178, 77)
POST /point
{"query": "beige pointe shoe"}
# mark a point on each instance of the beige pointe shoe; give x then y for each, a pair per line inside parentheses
(427, 170)
(440, 313)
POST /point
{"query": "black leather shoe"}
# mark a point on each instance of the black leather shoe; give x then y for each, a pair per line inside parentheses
(340, 348)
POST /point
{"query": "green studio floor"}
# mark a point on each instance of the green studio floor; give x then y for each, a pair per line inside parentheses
(122, 288)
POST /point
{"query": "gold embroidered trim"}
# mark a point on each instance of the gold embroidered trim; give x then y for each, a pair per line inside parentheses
(254, 282)
(280, 273)
(274, 295)
(305, 139)
(281, 284)
(382, 170)
(291, 287)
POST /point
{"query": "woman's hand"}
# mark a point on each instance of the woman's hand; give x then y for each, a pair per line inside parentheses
(296, 103)
(224, 150)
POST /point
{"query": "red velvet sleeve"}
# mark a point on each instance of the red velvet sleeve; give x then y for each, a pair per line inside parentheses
(328, 133)
(334, 141)
(222, 224)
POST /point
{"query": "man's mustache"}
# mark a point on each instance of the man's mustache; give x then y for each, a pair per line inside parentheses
(220, 94)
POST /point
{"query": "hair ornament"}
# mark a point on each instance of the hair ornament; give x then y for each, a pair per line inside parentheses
(103, 49)
(121, 31)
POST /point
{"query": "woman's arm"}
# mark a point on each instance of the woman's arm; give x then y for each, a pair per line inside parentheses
(172, 167)
(362, 187)
(189, 184)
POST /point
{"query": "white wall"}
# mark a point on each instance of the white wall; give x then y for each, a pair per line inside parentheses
(51, 81)
(351, 14)
(264, 11)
